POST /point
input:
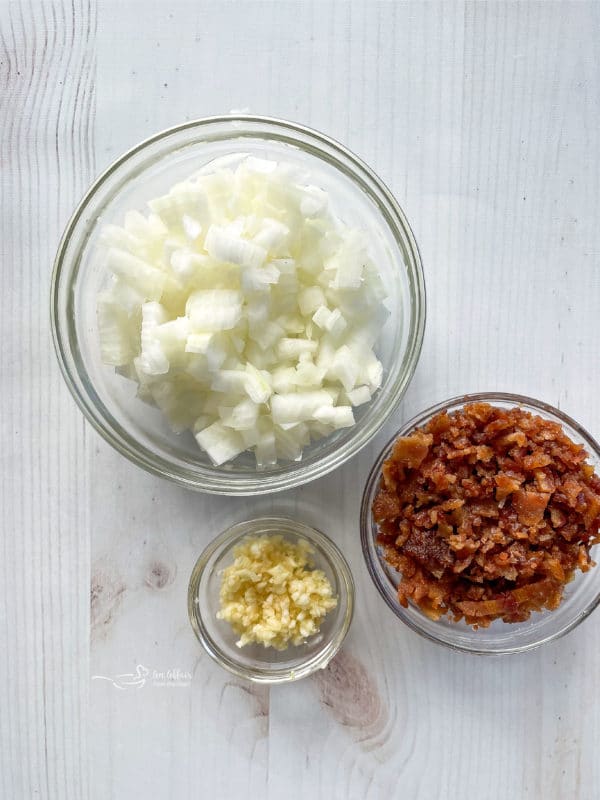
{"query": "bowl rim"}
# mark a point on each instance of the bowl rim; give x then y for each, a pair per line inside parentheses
(253, 483)
(228, 538)
(374, 566)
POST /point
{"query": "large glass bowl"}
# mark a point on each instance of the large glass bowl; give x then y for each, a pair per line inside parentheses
(255, 662)
(581, 595)
(109, 401)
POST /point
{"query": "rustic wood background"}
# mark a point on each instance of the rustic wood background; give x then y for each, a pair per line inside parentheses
(484, 118)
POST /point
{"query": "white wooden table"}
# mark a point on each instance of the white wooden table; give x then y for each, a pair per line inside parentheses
(484, 119)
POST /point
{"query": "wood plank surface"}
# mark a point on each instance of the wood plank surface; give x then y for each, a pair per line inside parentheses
(484, 119)
(47, 89)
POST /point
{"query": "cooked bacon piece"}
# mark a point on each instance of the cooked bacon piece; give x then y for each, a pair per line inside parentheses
(487, 513)
(592, 508)
(429, 551)
(392, 473)
(555, 570)
(544, 480)
(411, 451)
(530, 506)
(557, 517)
(535, 594)
(386, 506)
(505, 485)
(482, 608)
(536, 460)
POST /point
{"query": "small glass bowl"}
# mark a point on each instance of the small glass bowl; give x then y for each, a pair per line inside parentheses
(109, 400)
(255, 662)
(581, 595)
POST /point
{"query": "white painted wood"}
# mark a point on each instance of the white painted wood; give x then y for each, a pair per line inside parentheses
(47, 80)
(484, 119)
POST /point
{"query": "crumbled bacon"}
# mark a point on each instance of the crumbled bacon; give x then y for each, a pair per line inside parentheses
(487, 513)
(411, 451)
(530, 506)
(506, 484)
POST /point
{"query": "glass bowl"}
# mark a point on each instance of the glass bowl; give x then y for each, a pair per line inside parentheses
(109, 400)
(581, 595)
(253, 661)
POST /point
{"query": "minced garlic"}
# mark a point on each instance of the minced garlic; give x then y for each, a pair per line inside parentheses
(271, 596)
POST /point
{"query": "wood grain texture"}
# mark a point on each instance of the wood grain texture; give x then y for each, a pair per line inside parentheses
(47, 75)
(484, 119)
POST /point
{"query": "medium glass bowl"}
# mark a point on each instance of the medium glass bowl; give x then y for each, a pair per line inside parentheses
(255, 662)
(581, 595)
(109, 401)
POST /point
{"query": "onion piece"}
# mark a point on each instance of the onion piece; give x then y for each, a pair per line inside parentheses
(220, 443)
(244, 309)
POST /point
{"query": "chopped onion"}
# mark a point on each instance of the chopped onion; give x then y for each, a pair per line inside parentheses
(244, 309)
(220, 442)
(214, 309)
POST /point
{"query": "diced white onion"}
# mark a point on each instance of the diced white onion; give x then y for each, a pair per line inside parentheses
(297, 406)
(344, 368)
(244, 309)
(220, 443)
(338, 417)
(272, 236)
(241, 417)
(359, 396)
(310, 299)
(192, 228)
(224, 245)
(257, 387)
(214, 309)
(288, 349)
(137, 273)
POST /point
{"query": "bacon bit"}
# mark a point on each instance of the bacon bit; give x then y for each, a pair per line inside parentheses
(439, 424)
(557, 518)
(484, 453)
(484, 608)
(544, 481)
(534, 591)
(451, 505)
(460, 566)
(478, 411)
(404, 533)
(386, 506)
(485, 508)
(570, 532)
(530, 506)
(469, 535)
(536, 460)
(497, 425)
(592, 509)
(505, 485)
(460, 453)
(517, 437)
(554, 569)
(462, 545)
(583, 559)
(411, 451)
(433, 553)
(444, 481)
(391, 474)
(573, 457)
(571, 489)
(444, 530)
